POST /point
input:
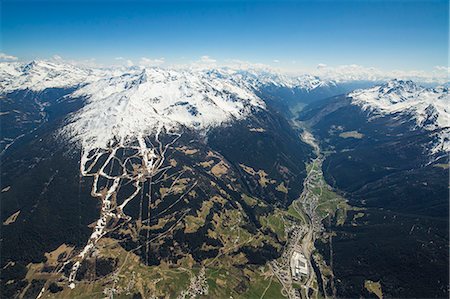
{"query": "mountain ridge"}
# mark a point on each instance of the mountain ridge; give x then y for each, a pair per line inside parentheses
(428, 107)
(41, 74)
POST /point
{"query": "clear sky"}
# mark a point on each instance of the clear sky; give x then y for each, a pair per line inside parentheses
(407, 35)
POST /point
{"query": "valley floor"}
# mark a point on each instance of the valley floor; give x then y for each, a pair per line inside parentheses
(316, 203)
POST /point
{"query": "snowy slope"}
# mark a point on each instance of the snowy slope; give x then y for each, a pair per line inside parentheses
(39, 75)
(124, 103)
(428, 107)
(256, 79)
(135, 104)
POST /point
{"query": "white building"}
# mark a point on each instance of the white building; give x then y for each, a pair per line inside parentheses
(299, 264)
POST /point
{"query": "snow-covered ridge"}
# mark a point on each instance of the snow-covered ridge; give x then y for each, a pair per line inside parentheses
(39, 75)
(428, 107)
(256, 79)
(136, 104)
(126, 103)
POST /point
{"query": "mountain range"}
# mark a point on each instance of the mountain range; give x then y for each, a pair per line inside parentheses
(182, 182)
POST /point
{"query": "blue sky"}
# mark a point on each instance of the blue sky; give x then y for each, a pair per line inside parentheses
(406, 35)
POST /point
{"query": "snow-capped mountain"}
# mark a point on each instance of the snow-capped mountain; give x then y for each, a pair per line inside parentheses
(140, 103)
(257, 79)
(159, 173)
(126, 102)
(122, 103)
(428, 107)
(282, 92)
(39, 75)
(123, 175)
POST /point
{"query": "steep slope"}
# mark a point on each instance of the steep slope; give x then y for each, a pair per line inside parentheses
(281, 91)
(262, 78)
(38, 75)
(137, 104)
(139, 181)
(289, 94)
(388, 152)
(429, 107)
(30, 93)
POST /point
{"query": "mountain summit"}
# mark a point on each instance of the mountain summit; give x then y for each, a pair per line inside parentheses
(137, 104)
(428, 107)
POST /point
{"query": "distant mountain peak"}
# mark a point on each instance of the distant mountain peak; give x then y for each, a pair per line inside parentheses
(38, 75)
(27, 67)
(41, 74)
(400, 89)
(259, 78)
(429, 107)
